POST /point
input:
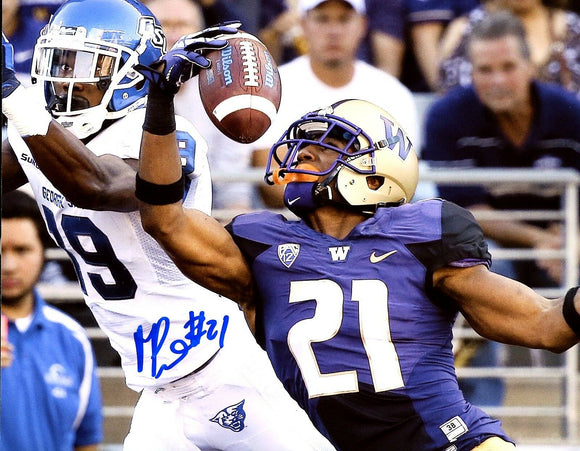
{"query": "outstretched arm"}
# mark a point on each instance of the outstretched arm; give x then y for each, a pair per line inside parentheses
(508, 311)
(201, 248)
(88, 181)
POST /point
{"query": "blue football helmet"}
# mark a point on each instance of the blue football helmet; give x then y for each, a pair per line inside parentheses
(375, 164)
(98, 42)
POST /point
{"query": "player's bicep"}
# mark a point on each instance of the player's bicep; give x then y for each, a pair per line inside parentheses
(12, 174)
(204, 251)
(116, 190)
(496, 307)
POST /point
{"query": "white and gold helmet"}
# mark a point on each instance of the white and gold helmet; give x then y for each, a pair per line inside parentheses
(375, 146)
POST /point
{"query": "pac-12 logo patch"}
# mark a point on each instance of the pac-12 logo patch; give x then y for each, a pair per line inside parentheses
(232, 417)
(287, 253)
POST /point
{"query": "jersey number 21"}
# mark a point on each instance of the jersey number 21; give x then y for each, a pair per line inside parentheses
(371, 296)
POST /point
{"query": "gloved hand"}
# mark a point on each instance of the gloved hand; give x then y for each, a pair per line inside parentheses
(185, 60)
(9, 81)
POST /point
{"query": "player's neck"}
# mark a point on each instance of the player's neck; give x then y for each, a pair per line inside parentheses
(334, 221)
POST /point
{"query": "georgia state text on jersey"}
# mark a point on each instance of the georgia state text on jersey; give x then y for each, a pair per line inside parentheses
(354, 330)
(163, 325)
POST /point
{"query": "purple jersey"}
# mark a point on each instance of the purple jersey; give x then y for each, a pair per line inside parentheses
(356, 332)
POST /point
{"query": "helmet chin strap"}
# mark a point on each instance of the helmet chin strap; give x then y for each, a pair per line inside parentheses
(58, 104)
(302, 198)
(299, 198)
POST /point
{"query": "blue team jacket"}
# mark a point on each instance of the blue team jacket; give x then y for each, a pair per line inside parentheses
(51, 398)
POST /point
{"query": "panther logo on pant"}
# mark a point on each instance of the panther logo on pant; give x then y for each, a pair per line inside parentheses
(231, 417)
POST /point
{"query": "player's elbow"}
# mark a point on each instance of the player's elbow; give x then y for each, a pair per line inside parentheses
(556, 339)
(156, 222)
(103, 198)
(559, 349)
(87, 197)
(237, 286)
(560, 345)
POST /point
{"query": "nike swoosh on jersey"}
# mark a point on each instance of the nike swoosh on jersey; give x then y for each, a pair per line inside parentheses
(290, 202)
(379, 258)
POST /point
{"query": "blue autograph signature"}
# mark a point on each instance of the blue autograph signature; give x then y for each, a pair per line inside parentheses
(197, 328)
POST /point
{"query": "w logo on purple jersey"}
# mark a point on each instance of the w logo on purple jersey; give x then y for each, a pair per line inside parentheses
(231, 417)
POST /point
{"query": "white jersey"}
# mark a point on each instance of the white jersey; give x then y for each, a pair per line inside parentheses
(162, 324)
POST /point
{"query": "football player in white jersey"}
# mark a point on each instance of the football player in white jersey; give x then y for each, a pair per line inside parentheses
(205, 382)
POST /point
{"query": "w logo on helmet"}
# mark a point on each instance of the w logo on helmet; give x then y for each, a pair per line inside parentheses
(405, 145)
(231, 417)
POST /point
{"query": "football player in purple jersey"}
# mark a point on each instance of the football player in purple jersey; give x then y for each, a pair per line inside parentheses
(355, 302)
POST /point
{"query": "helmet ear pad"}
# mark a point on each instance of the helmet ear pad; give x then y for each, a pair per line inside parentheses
(391, 183)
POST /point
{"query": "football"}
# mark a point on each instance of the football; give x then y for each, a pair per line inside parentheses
(241, 89)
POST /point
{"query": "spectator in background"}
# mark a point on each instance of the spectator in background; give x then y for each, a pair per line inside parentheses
(506, 119)
(264, 13)
(280, 30)
(180, 17)
(331, 72)
(509, 108)
(426, 22)
(217, 11)
(256, 16)
(51, 397)
(177, 17)
(553, 34)
(22, 21)
(384, 45)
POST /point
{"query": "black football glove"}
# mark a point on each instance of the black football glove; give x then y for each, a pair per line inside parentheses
(185, 59)
(9, 81)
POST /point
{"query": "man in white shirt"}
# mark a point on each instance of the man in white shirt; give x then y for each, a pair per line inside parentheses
(329, 72)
